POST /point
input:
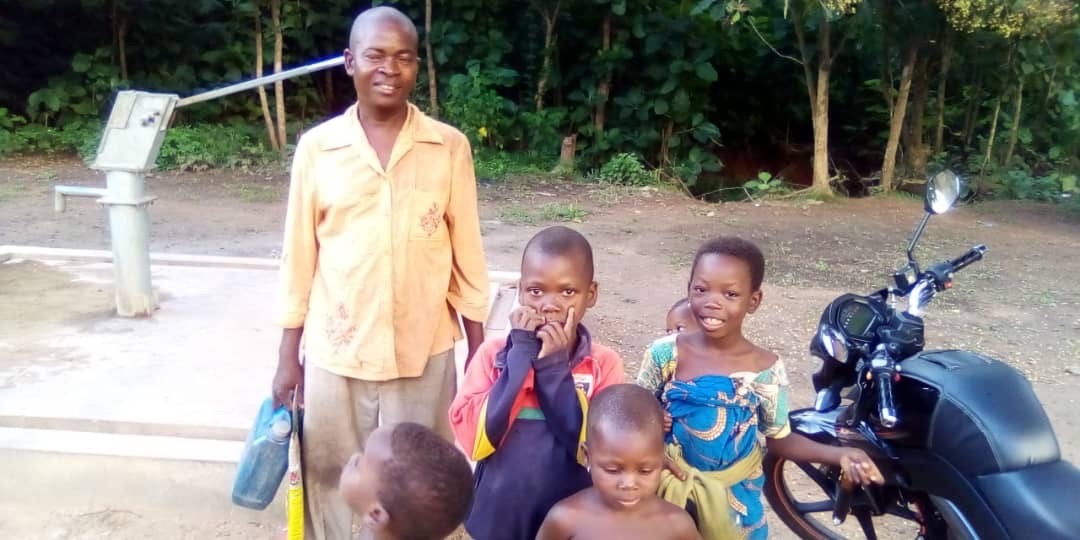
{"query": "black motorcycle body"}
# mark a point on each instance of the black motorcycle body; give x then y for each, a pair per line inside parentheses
(964, 444)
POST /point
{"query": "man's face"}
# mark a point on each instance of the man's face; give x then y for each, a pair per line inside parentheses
(383, 62)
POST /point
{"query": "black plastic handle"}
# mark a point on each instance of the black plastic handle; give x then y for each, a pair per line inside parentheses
(886, 409)
(973, 254)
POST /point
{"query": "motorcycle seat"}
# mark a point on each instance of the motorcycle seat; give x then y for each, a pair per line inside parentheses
(1038, 502)
(987, 418)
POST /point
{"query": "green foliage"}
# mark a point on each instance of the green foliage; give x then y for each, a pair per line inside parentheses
(9, 124)
(1020, 184)
(77, 95)
(625, 169)
(208, 145)
(765, 184)
(495, 164)
(474, 105)
(668, 79)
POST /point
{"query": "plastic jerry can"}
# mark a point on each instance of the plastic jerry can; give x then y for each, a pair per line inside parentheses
(265, 458)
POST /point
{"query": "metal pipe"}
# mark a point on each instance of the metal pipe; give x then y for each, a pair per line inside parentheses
(129, 227)
(255, 83)
(63, 192)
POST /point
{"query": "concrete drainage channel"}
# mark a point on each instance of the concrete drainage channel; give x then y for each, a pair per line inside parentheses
(143, 428)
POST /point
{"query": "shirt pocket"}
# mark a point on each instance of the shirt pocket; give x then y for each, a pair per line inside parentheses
(427, 215)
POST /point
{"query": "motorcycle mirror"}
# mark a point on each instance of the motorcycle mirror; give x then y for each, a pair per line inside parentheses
(834, 343)
(942, 191)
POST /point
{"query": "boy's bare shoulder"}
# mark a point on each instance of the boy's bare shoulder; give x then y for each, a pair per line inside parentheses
(570, 509)
(678, 522)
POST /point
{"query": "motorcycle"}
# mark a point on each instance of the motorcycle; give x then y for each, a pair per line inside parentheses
(966, 448)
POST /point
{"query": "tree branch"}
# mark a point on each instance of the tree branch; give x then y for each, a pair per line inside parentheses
(750, 21)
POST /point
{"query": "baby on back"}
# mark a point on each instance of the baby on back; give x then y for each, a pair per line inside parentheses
(625, 455)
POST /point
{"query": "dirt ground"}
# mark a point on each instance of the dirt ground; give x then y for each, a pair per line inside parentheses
(1020, 304)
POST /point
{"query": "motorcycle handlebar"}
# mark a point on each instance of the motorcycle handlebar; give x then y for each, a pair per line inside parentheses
(886, 409)
(973, 254)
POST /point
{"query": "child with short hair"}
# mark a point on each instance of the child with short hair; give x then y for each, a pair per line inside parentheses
(679, 317)
(409, 483)
(624, 449)
(721, 391)
(521, 410)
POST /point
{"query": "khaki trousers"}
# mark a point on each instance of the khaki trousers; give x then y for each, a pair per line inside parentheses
(339, 414)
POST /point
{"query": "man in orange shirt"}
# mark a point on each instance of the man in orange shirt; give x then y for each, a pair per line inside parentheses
(382, 254)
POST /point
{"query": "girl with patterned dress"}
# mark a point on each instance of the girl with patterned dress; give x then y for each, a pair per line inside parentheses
(719, 392)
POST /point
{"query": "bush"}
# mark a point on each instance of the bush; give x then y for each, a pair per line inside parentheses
(494, 165)
(765, 184)
(212, 145)
(473, 105)
(625, 169)
(78, 137)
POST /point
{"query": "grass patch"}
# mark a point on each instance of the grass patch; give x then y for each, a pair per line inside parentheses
(563, 212)
(499, 165)
(517, 214)
(255, 193)
(551, 212)
(10, 191)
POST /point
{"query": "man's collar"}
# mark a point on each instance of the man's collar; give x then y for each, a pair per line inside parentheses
(418, 127)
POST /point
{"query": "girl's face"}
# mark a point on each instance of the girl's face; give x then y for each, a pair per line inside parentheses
(721, 294)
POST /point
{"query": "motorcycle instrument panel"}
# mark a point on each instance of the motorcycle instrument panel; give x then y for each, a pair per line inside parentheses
(857, 318)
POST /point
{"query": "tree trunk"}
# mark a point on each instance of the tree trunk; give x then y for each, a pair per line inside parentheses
(550, 19)
(1015, 130)
(271, 133)
(916, 150)
(669, 128)
(603, 90)
(989, 146)
(121, 38)
(821, 111)
(886, 84)
(972, 114)
(279, 87)
(433, 82)
(896, 123)
(817, 90)
(946, 60)
(567, 153)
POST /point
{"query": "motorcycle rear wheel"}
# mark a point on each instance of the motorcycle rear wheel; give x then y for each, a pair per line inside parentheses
(813, 520)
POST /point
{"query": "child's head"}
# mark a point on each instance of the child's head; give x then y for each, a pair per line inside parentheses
(557, 274)
(625, 445)
(725, 284)
(679, 317)
(408, 482)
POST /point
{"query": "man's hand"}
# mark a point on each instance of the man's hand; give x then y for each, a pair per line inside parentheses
(555, 337)
(858, 466)
(525, 318)
(474, 337)
(290, 374)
